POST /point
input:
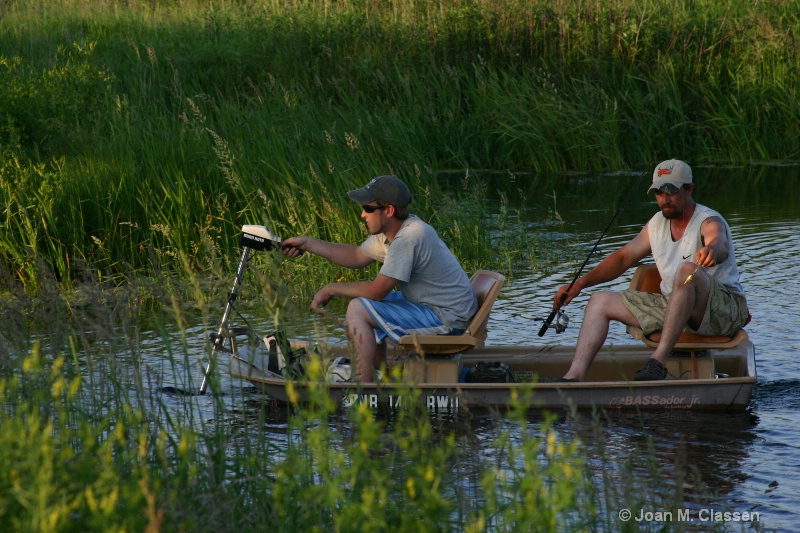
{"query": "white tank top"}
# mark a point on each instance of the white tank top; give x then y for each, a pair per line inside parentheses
(669, 254)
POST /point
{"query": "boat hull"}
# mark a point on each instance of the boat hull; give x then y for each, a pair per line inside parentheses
(608, 385)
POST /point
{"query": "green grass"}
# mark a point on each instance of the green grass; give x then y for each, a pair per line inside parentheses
(132, 133)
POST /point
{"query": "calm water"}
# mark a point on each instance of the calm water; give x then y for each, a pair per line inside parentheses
(745, 461)
(750, 461)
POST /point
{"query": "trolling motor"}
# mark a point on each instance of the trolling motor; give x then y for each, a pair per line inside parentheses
(253, 237)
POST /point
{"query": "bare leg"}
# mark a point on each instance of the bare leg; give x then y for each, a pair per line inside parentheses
(380, 357)
(361, 329)
(603, 307)
(687, 304)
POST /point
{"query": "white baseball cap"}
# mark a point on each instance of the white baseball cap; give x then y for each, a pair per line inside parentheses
(672, 171)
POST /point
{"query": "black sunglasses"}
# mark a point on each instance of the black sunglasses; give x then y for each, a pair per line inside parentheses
(669, 188)
(372, 208)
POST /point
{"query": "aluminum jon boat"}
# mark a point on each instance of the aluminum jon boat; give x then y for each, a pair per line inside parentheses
(458, 372)
(725, 380)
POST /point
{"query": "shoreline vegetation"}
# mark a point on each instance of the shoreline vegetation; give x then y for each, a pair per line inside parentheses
(137, 137)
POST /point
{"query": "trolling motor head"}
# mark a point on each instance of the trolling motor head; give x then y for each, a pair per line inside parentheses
(258, 238)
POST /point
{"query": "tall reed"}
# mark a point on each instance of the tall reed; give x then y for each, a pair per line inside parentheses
(132, 132)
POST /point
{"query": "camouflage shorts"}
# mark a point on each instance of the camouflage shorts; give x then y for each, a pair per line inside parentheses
(726, 311)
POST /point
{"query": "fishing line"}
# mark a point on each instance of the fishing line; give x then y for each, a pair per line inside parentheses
(624, 203)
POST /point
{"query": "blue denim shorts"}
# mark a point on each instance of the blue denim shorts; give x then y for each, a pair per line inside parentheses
(397, 316)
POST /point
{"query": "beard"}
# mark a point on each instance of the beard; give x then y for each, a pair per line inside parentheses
(671, 212)
(376, 229)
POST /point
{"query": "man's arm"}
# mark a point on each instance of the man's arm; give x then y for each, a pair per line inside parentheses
(716, 247)
(613, 266)
(346, 255)
(375, 289)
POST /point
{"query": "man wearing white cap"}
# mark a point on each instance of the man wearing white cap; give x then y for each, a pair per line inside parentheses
(688, 242)
(434, 297)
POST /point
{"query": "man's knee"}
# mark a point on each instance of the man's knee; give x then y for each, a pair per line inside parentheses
(356, 309)
(609, 305)
(358, 315)
(603, 300)
(686, 269)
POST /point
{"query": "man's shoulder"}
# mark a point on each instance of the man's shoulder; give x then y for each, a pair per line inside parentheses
(375, 246)
(414, 226)
(705, 215)
(706, 212)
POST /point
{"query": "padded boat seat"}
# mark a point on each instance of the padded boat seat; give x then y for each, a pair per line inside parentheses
(486, 285)
(690, 341)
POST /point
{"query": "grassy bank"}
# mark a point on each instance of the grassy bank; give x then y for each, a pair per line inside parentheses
(139, 136)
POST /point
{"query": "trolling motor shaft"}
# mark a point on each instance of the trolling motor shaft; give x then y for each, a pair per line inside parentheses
(219, 338)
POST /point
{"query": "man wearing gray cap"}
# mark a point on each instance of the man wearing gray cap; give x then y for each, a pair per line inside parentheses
(693, 251)
(434, 297)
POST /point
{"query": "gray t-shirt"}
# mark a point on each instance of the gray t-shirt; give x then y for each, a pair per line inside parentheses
(428, 273)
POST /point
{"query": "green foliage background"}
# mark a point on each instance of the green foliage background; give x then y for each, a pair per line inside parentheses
(137, 136)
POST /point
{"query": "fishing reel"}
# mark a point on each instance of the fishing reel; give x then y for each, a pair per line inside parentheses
(561, 322)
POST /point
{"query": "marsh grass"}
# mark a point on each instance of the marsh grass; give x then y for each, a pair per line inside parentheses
(134, 132)
(75, 461)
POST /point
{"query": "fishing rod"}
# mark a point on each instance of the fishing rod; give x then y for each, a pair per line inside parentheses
(556, 310)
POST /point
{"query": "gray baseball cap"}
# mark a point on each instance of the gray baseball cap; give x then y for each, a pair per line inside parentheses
(388, 189)
(672, 171)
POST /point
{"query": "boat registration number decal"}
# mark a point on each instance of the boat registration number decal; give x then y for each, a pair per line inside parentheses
(434, 402)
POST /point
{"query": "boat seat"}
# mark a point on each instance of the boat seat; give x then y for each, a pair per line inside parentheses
(647, 279)
(486, 285)
(690, 341)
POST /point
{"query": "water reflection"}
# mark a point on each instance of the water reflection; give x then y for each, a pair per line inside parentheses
(706, 449)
